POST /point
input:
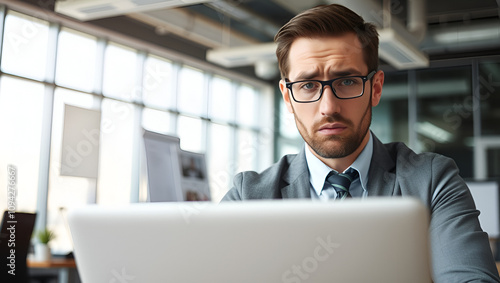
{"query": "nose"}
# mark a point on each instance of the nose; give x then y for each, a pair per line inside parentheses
(329, 103)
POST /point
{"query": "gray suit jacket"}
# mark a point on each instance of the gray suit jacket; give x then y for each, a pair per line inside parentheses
(460, 249)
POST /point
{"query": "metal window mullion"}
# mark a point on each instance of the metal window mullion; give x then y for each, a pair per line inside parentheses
(234, 142)
(234, 103)
(208, 142)
(257, 131)
(3, 14)
(476, 101)
(99, 66)
(207, 81)
(45, 141)
(97, 104)
(205, 120)
(233, 135)
(277, 123)
(480, 167)
(233, 154)
(176, 68)
(137, 131)
(137, 145)
(50, 71)
(44, 162)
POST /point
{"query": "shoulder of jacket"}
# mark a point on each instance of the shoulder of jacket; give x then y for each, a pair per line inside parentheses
(405, 157)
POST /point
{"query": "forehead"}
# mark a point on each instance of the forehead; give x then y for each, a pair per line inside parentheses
(325, 55)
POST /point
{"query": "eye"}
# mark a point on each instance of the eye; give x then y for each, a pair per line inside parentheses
(347, 82)
(307, 85)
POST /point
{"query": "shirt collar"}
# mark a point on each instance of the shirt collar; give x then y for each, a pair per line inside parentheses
(362, 163)
(318, 170)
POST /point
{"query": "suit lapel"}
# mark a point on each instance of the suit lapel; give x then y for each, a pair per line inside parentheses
(297, 178)
(381, 176)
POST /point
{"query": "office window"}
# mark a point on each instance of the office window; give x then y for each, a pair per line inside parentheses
(115, 165)
(158, 83)
(247, 99)
(221, 95)
(21, 107)
(265, 152)
(444, 125)
(248, 150)
(220, 162)
(489, 97)
(190, 131)
(120, 78)
(493, 163)
(25, 45)
(285, 149)
(197, 104)
(76, 60)
(65, 192)
(191, 91)
(157, 121)
(289, 139)
(287, 127)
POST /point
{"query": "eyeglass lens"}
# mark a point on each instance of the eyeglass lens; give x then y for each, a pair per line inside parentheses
(343, 87)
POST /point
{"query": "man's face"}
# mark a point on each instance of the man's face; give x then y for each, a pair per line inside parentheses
(331, 127)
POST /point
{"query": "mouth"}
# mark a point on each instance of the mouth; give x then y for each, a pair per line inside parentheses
(332, 129)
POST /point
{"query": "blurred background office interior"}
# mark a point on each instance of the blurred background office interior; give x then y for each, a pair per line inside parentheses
(205, 71)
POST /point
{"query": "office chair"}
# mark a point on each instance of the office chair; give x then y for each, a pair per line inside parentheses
(15, 238)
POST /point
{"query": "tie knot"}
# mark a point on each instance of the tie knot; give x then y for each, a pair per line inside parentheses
(342, 181)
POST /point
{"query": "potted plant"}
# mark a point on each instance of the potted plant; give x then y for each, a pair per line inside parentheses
(42, 248)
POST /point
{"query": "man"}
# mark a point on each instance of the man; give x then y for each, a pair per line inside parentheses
(328, 59)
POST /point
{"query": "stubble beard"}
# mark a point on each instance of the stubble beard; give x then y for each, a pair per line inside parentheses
(346, 144)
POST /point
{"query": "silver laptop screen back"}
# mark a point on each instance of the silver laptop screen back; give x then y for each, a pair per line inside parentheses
(380, 240)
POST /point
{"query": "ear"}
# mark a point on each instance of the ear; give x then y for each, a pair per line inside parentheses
(377, 84)
(286, 96)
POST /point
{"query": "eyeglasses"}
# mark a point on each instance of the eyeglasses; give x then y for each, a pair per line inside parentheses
(344, 88)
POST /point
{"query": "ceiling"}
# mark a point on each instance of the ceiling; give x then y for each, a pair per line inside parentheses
(244, 29)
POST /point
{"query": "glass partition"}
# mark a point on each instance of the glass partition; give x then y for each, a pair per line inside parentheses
(390, 116)
(444, 114)
(489, 97)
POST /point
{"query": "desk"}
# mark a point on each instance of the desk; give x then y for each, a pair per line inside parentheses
(65, 266)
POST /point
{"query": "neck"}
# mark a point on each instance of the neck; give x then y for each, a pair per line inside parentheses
(342, 163)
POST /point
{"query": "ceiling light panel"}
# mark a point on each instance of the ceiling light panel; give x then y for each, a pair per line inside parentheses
(96, 9)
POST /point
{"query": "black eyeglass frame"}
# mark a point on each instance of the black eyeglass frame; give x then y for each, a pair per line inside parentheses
(330, 83)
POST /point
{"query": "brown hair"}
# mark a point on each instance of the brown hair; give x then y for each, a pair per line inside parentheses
(327, 20)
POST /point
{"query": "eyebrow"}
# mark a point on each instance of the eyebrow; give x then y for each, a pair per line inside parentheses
(314, 74)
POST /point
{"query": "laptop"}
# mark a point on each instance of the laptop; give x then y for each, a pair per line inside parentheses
(375, 240)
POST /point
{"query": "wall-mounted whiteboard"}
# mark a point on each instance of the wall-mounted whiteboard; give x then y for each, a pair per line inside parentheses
(486, 197)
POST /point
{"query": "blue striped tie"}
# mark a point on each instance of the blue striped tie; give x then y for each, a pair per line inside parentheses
(340, 182)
